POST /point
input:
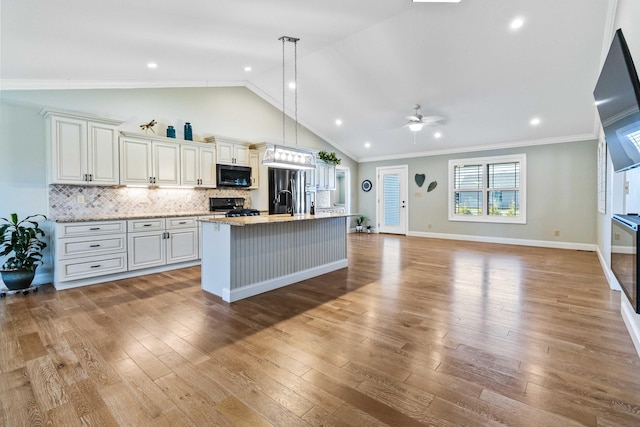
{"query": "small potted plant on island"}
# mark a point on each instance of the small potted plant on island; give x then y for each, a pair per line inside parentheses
(20, 240)
(360, 222)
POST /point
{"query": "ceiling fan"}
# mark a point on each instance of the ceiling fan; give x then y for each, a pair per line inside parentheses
(417, 121)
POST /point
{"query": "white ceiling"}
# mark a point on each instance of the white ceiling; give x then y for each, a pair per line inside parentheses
(365, 62)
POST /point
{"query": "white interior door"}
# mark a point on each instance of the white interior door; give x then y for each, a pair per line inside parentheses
(392, 207)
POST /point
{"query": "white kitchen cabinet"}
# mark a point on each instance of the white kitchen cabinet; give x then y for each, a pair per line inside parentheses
(83, 151)
(230, 153)
(325, 176)
(156, 242)
(254, 163)
(89, 249)
(144, 162)
(198, 167)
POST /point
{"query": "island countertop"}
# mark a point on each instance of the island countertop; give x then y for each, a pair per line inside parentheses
(242, 221)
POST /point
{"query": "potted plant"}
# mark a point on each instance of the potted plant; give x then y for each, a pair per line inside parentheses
(360, 221)
(20, 240)
(329, 157)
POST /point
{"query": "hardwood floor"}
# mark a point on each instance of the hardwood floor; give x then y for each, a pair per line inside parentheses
(415, 332)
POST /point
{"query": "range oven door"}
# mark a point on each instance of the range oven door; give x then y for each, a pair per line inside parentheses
(624, 256)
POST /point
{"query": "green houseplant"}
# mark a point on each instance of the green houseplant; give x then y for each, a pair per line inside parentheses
(329, 157)
(360, 221)
(21, 242)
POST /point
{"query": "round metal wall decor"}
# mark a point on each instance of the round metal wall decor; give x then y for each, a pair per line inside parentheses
(366, 185)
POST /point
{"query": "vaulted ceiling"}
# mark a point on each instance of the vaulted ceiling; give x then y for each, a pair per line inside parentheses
(364, 62)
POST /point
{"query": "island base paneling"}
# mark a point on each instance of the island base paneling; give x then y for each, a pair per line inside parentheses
(238, 262)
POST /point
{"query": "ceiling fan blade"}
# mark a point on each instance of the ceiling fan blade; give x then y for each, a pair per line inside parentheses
(432, 119)
(414, 118)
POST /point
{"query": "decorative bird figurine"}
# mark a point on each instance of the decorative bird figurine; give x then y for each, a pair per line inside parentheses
(148, 126)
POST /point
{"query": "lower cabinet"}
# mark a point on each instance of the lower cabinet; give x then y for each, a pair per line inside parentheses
(84, 251)
(89, 249)
(157, 242)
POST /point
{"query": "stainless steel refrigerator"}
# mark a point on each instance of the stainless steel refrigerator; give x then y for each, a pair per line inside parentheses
(287, 191)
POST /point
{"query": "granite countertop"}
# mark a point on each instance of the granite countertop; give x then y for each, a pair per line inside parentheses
(272, 219)
(124, 216)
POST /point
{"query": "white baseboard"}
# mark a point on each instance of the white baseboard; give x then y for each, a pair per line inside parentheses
(632, 320)
(608, 274)
(507, 241)
(269, 285)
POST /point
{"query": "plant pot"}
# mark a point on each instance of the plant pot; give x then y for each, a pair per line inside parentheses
(358, 228)
(17, 279)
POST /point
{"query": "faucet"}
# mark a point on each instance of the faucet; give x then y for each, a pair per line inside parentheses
(289, 209)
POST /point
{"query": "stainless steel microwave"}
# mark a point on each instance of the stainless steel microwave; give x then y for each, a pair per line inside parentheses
(233, 176)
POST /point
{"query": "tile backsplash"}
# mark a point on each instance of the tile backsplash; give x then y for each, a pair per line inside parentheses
(73, 201)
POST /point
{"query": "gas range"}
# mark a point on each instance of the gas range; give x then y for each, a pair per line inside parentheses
(231, 207)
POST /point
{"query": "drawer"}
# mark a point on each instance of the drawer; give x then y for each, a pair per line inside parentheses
(182, 222)
(74, 247)
(92, 228)
(90, 267)
(150, 224)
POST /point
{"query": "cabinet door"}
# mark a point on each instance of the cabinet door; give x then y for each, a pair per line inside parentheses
(182, 245)
(103, 158)
(241, 155)
(166, 163)
(224, 152)
(321, 176)
(146, 250)
(189, 174)
(69, 151)
(254, 163)
(135, 161)
(207, 160)
(331, 177)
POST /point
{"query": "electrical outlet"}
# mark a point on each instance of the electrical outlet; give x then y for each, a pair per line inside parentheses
(417, 194)
(429, 226)
(616, 236)
(80, 199)
(556, 233)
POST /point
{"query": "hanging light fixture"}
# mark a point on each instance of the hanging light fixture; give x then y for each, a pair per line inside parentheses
(283, 156)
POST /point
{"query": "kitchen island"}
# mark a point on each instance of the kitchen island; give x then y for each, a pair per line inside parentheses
(245, 256)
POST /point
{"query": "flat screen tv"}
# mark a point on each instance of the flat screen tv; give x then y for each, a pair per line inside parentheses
(617, 96)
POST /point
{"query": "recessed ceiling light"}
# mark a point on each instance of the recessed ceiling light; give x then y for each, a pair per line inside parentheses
(292, 85)
(338, 122)
(535, 121)
(367, 144)
(247, 68)
(517, 23)
(437, 135)
(152, 65)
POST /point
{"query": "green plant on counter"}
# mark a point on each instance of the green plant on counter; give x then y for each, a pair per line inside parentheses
(329, 157)
(22, 239)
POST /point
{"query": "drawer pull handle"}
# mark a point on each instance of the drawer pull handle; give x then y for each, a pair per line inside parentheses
(94, 228)
(182, 222)
(95, 266)
(94, 246)
(147, 225)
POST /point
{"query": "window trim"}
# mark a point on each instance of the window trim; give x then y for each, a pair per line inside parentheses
(485, 217)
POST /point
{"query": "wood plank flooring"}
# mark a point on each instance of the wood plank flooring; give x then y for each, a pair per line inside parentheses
(415, 332)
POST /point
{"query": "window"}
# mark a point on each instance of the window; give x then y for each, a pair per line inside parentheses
(489, 189)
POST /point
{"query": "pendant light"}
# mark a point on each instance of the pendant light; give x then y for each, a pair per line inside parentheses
(283, 156)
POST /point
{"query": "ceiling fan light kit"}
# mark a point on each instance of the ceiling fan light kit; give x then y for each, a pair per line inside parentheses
(418, 121)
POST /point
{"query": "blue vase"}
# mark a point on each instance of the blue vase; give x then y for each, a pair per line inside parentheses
(188, 135)
(171, 132)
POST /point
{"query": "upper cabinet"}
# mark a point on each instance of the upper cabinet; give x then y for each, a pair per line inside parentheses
(325, 176)
(230, 153)
(254, 163)
(144, 162)
(198, 165)
(83, 150)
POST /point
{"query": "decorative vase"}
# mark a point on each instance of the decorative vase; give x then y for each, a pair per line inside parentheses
(171, 132)
(17, 279)
(188, 133)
